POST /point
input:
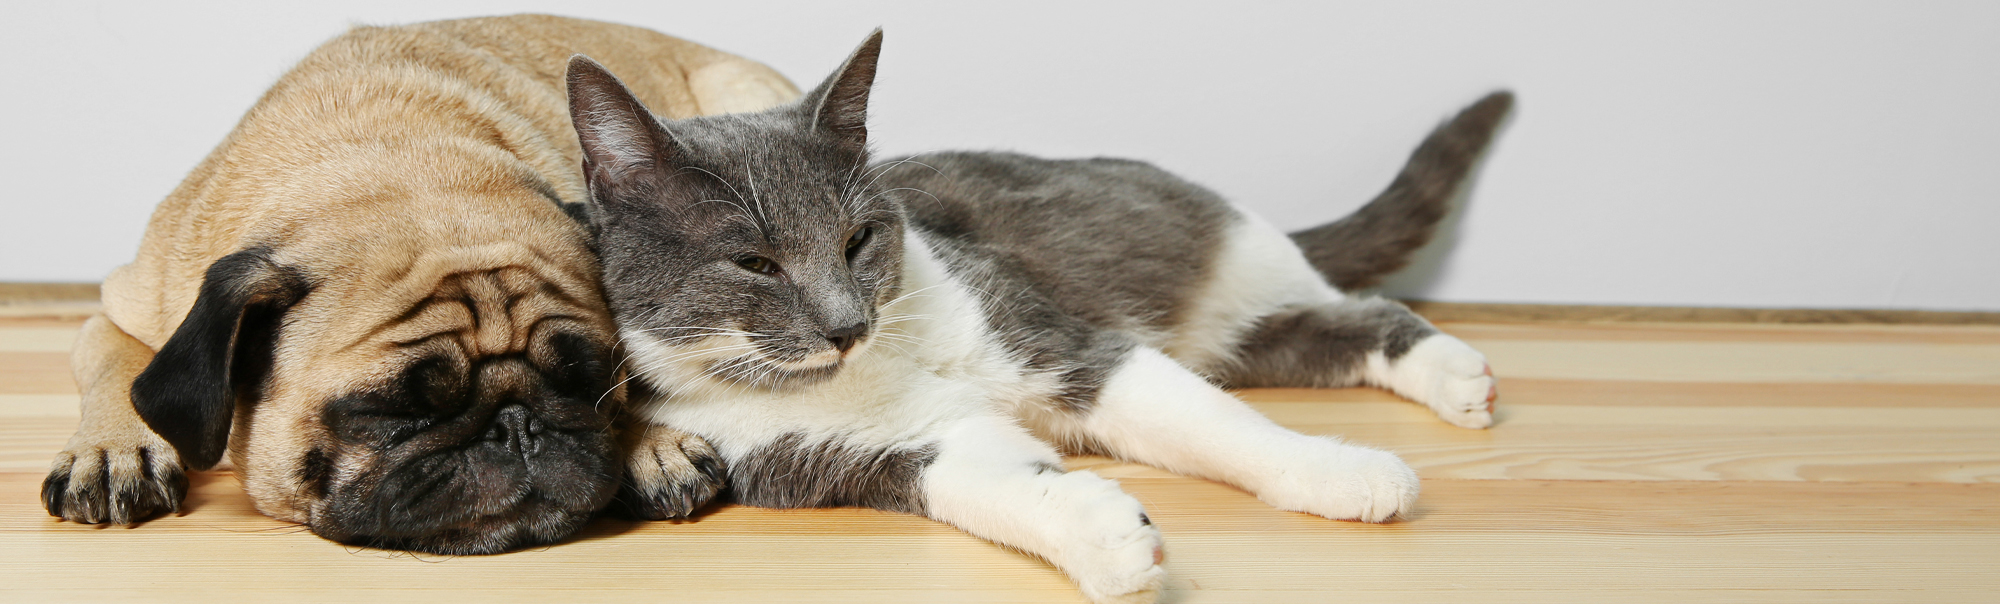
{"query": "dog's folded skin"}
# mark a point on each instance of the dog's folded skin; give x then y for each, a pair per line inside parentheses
(370, 298)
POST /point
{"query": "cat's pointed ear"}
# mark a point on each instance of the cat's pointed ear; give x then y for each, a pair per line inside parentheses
(840, 104)
(619, 136)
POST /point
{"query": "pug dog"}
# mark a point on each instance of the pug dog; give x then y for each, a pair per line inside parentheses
(370, 295)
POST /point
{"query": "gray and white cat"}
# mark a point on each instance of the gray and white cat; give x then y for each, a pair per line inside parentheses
(924, 335)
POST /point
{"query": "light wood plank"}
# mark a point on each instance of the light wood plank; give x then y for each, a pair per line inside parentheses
(1755, 362)
(1531, 440)
(37, 339)
(1632, 463)
(1634, 393)
(1747, 332)
(1600, 314)
(35, 373)
(58, 406)
(1470, 540)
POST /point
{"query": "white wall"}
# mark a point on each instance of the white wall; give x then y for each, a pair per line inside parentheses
(1811, 154)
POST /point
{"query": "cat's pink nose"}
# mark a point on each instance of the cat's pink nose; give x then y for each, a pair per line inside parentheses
(1492, 390)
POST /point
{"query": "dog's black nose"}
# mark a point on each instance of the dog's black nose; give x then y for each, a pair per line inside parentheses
(844, 337)
(518, 430)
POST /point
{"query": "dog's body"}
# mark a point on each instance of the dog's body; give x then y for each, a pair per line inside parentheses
(372, 275)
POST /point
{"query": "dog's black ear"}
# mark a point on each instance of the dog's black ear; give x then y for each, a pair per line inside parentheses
(188, 393)
(840, 104)
(620, 137)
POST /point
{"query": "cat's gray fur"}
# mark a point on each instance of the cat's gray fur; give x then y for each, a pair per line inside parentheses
(764, 274)
(1078, 255)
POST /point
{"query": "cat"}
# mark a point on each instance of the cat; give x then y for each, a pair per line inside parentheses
(923, 335)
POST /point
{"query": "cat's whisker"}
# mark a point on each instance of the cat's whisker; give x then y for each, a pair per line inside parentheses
(854, 173)
(708, 335)
(894, 333)
(899, 349)
(891, 328)
(880, 171)
(894, 319)
(725, 182)
(754, 199)
(876, 213)
(883, 170)
(753, 217)
(977, 290)
(699, 352)
(717, 331)
(712, 350)
(692, 327)
(717, 372)
(743, 212)
(903, 341)
(599, 405)
(760, 377)
(878, 194)
(912, 294)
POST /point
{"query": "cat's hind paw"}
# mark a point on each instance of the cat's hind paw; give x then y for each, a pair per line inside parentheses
(1447, 375)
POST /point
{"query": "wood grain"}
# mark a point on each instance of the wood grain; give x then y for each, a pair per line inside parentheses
(1470, 540)
(1631, 463)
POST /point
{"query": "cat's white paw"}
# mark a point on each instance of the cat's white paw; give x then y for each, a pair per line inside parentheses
(1344, 482)
(1109, 548)
(1447, 375)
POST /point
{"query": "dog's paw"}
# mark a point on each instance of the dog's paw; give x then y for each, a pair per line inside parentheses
(1447, 375)
(1344, 482)
(106, 482)
(1112, 550)
(668, 474)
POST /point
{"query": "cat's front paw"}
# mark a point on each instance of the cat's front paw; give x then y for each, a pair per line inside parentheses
(1112, 550)
(114, 482)
(668, 474)
(1447, 375)
(1344, 482)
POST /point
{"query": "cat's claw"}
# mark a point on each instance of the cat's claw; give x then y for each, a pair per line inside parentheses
(1447, 375)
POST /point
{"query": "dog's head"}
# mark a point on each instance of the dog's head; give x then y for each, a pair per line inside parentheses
(438, 388)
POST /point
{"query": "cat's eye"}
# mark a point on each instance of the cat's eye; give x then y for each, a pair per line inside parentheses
(854, 241)
(758, 264)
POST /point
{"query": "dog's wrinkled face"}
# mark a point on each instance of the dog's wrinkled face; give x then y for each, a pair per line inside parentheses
(487, 433)
(460, 404)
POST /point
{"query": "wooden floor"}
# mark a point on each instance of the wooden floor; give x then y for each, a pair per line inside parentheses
(1631, 463)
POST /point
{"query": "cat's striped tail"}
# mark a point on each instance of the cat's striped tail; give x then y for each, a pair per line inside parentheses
(1359, 250)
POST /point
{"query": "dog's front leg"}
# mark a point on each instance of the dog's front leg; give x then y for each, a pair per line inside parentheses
(115, 469)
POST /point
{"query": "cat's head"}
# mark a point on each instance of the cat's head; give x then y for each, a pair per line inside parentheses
(750, 248)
